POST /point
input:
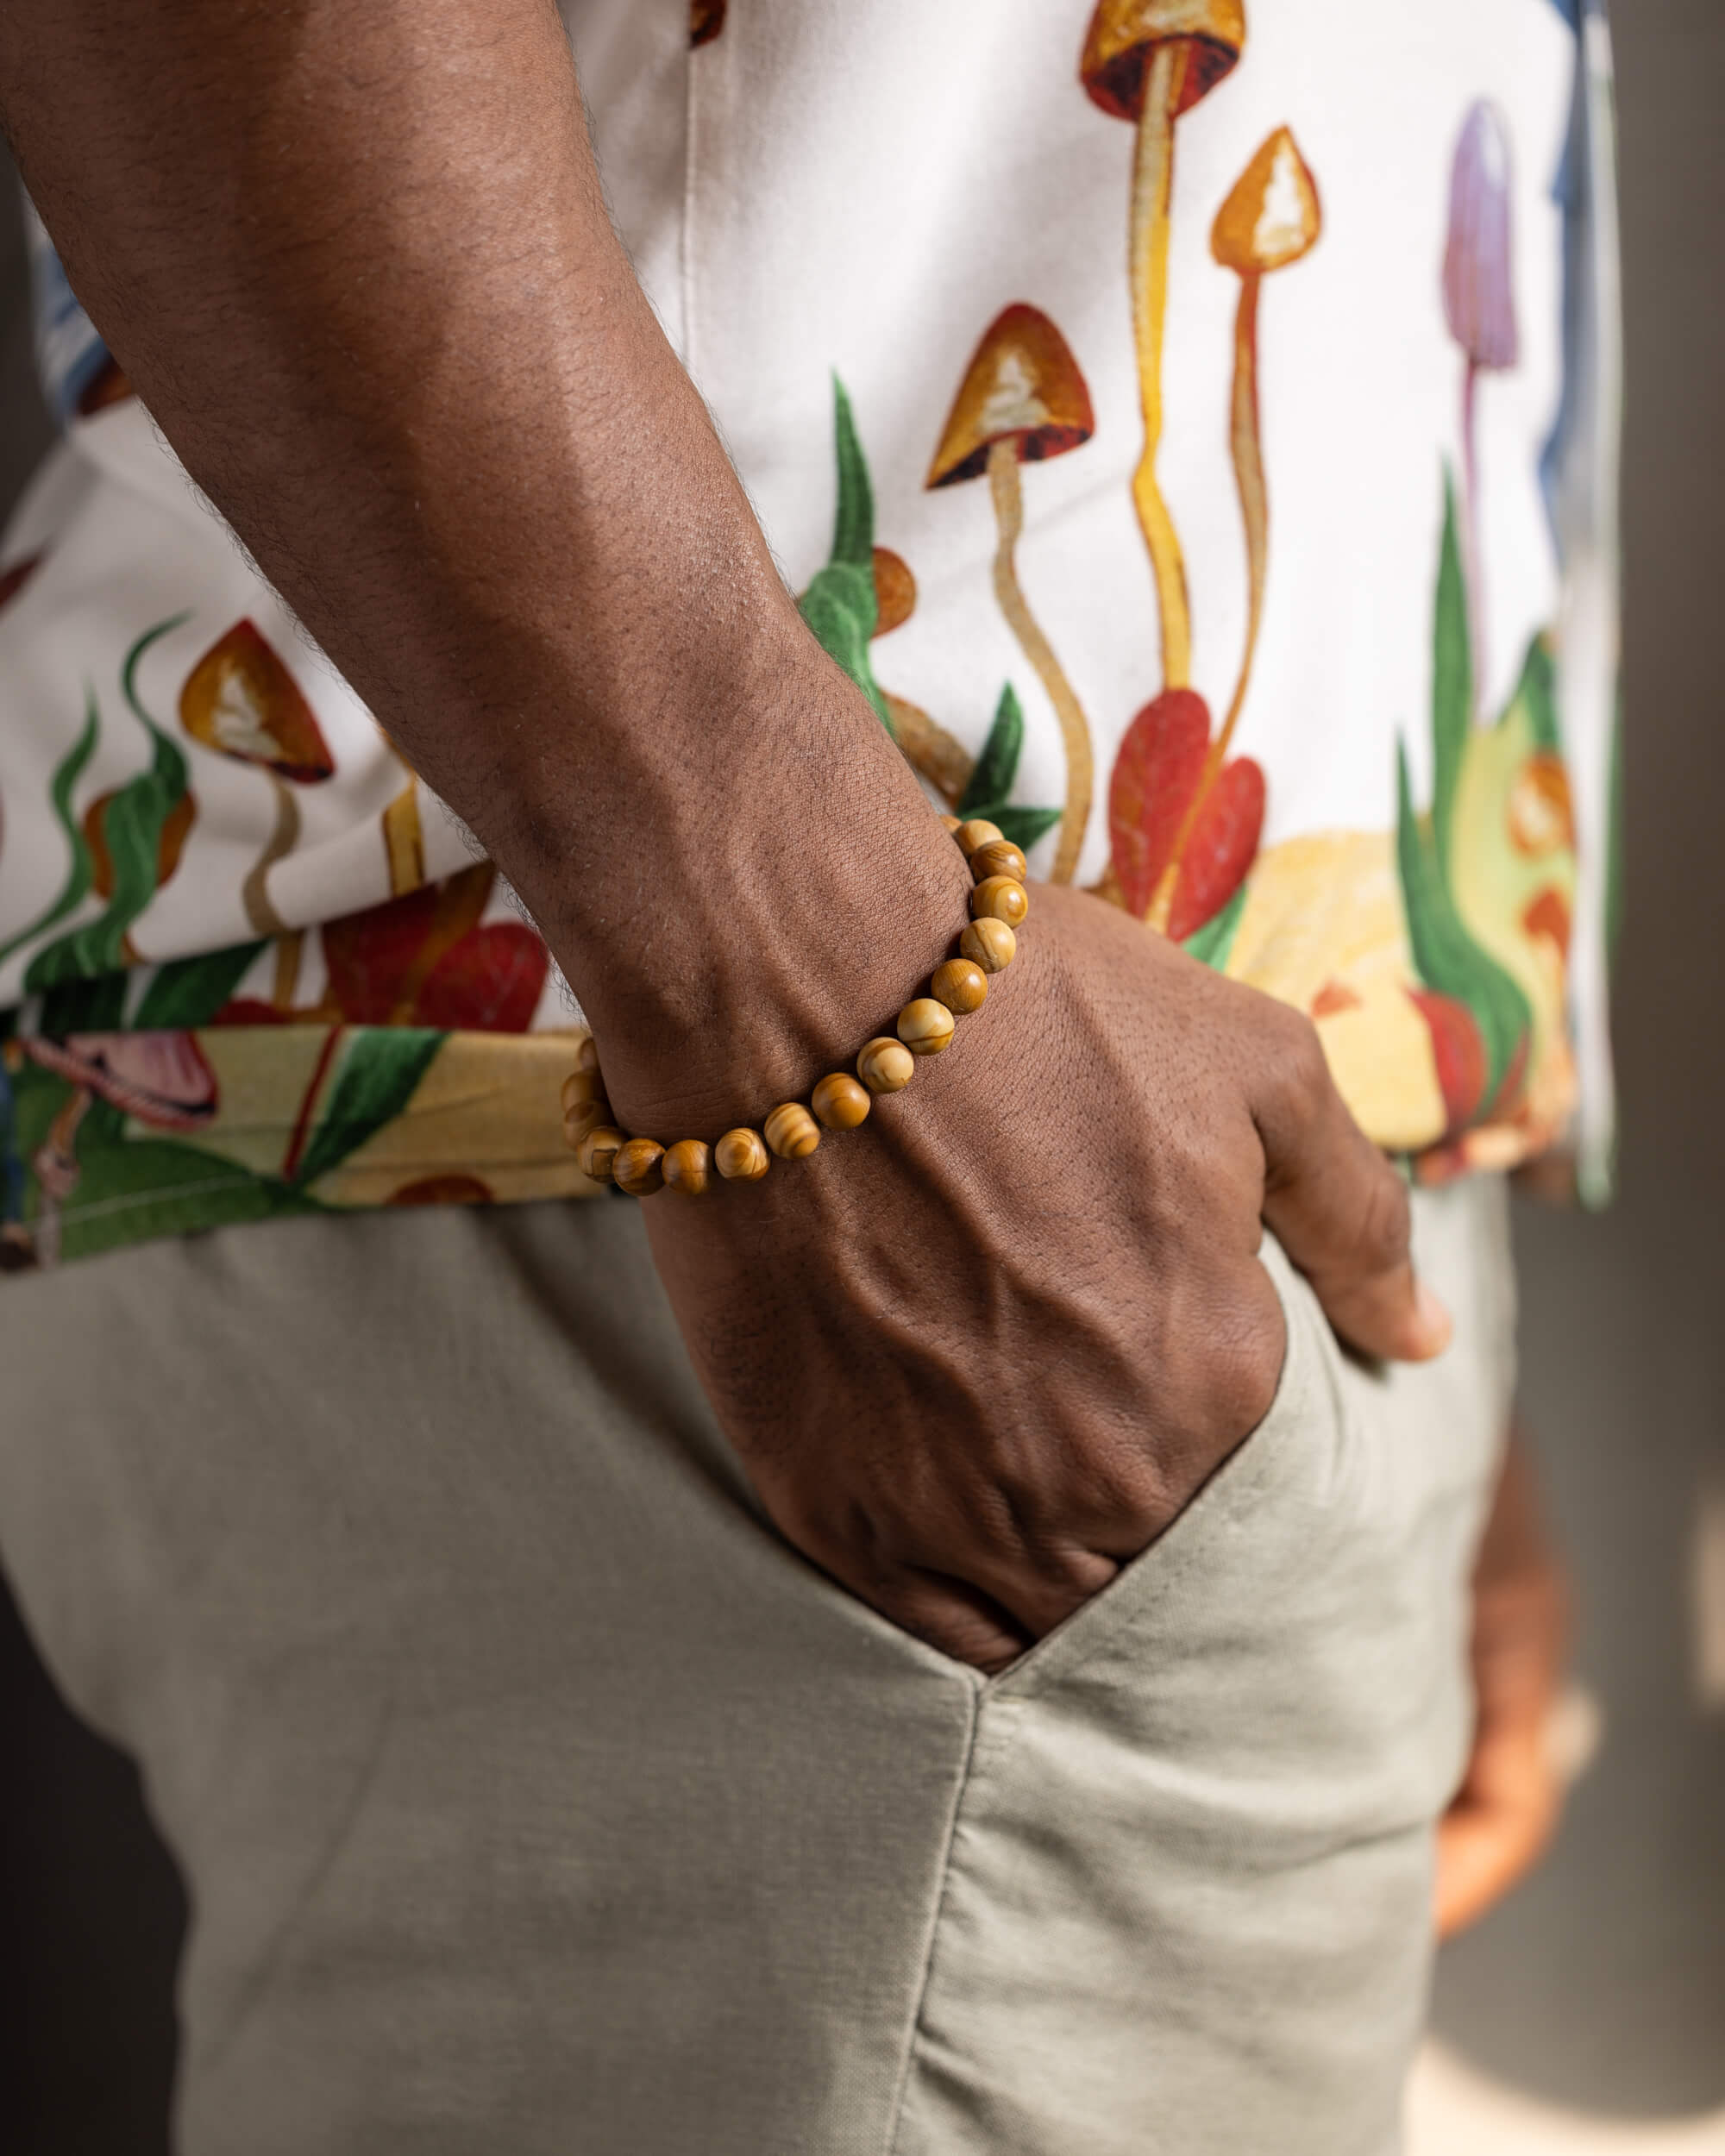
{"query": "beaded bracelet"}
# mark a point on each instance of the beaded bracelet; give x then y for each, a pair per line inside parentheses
(999, 903)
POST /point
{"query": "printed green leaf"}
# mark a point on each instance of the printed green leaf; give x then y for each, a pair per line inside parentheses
(66, 775)
(188, 992)
(839, 607)
(132, 1187)
(1213, 942)
(839, 604)
(995, 768)
(133, 828)
(853, 531)
(1451, 678)
(95, 1006)
(378, 1074)
(1445, 956)
(1538, 690)
(1024, 826)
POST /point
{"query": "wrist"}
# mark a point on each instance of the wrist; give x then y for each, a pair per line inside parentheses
(747, 895)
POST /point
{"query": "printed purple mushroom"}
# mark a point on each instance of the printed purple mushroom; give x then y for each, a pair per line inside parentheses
(1149, 61)
(1479, 306)
(1023, 400)
(241, 699)
(1271, 218)
(158, 1079)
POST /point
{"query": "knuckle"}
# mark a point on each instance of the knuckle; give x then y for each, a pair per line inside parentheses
(1302, 1066)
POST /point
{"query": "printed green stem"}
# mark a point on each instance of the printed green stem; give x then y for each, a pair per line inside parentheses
(1009, 499)
(1152, 192)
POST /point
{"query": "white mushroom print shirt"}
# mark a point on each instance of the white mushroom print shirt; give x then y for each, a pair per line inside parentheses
(1192, 423)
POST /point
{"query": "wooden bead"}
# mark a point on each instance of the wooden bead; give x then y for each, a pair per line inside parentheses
(1002, 897)
(586, 1058)
(926, 1026)
(988, 943)
(839, 1102)
(686, 1166)
(948, 822)
(791, 1131)
(978, 831)
(596, 1155)
(959, 985)
(588, 1117)
(1000, 858)
(580, 1087)
(885, 1065)
(741, 1156)
(636, 1168)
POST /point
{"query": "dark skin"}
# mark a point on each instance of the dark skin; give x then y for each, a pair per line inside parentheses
(979, 1354)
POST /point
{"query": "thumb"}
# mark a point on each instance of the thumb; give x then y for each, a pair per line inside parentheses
(1338, 1208)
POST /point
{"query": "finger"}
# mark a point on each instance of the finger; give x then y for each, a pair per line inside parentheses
(1496, 1830)
(1338, 1208)
(948, 1615)
(1037, 1593)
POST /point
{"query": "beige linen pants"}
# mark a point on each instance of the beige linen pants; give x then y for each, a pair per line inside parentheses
(534, 1797)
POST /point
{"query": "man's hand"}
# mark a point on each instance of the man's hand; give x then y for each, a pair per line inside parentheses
(978, 1355)
(366, 285)
(1507, 1809)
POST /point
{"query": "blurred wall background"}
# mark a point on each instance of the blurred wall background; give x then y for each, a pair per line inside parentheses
(1596, 1996)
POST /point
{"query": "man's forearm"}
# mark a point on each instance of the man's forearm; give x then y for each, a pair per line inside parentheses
(357, 263)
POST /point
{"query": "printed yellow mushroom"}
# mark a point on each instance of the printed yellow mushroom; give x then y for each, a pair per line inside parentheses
(1149, 61)
(1271, 217)
(1022, 400)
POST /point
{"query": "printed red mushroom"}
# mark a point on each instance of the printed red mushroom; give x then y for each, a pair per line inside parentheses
(1023, 400)
(1148, 62)
(706, 20)
(240, 700)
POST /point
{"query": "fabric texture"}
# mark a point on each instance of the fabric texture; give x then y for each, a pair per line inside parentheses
(534, 1794)
(1240, 538)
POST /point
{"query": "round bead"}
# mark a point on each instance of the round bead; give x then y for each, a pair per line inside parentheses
(596, 1155)
(839, 1102)
(636, 1168)
(1000, 858)
(581, 1087)
(988, 943)
(1003, 898)
(741, 1156)
(685, 1165)
(978, 831)
(885, 1065)
(948, 822)
(791, 1131)
(587, 1058)
(588, 1117)
(926, 1026)
(959, 985)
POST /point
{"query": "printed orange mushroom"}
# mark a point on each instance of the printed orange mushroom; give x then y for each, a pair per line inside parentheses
(240, 700)
(706, 20)
(895, 591)
(1271, 217)
(1023, 400)
(1149, 61)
